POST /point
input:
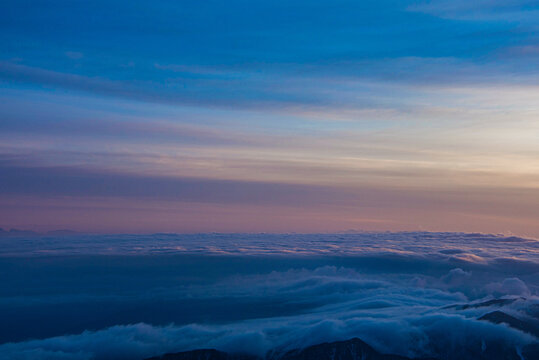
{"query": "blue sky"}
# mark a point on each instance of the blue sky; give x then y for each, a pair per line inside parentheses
(378, 115)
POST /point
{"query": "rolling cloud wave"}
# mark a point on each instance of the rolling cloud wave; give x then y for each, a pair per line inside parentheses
(398, 292)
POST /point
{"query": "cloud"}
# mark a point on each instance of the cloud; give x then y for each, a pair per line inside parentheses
(381, 309)
(521, 12)
(75, 181)
(456, 276)
(75, 55)
(251, 93)
(510, 286)
(402, 293)
(402, 250)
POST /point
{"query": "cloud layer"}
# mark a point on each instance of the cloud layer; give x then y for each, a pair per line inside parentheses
(466, 247)
(129, 297)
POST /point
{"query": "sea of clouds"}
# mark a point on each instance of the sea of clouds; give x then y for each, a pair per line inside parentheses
(131, 297)
(467, 246)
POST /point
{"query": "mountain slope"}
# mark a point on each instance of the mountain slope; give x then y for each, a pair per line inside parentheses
(353, 349)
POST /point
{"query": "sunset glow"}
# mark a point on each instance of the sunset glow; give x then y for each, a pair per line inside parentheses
(424, 116)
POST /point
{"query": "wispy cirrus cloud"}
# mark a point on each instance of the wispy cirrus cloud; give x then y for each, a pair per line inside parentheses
(373, 99)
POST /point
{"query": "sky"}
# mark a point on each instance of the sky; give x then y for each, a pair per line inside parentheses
(269, 116)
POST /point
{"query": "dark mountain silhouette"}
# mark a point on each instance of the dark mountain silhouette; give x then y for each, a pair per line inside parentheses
(31, 233)
(17, 233)
(499, 317)
(62, 232)
(204, 354)
(530, 326)
(353, 349)
(493, 302)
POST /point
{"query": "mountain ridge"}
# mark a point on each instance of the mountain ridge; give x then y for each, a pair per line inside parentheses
(352, 349)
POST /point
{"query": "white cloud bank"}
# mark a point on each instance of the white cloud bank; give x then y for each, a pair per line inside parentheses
(398, 292)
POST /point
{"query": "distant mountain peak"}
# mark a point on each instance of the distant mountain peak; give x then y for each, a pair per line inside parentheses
(529, 326)
(353, 349)
(20, 233)
(204, 354)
